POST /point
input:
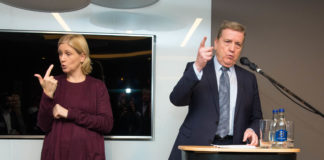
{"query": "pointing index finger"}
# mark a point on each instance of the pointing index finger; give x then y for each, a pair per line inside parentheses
(49, 70)
(202, 44)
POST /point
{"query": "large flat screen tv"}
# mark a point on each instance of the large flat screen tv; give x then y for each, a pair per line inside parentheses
(124, 62)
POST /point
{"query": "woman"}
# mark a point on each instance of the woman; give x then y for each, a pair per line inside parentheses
(75, 109)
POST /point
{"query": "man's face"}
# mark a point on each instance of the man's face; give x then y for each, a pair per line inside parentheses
(228, 47)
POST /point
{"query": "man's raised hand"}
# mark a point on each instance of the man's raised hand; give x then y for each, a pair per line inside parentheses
(204, 55)
(48, 83)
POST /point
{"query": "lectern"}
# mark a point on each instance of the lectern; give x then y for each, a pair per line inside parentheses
(236, 153)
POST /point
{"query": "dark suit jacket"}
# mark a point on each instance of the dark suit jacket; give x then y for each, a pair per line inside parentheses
(14, 124)
(200, 124)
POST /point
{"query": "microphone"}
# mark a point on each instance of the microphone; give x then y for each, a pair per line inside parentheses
(251, 65)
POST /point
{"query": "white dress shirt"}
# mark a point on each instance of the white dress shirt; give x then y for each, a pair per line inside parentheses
(233, 88)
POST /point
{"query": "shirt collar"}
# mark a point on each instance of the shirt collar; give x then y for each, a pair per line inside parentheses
(219, 66)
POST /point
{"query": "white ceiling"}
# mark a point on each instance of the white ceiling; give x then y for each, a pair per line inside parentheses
(72, 5)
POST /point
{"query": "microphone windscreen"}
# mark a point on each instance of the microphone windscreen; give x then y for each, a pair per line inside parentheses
(245, 61)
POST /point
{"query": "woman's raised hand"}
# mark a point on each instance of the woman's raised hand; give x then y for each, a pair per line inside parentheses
(48, 83)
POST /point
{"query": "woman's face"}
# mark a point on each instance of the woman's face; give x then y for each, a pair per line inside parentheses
(70, 59)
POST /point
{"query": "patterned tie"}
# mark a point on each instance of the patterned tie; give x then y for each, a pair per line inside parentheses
(224, 103)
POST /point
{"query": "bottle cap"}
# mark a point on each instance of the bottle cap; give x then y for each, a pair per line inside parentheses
(275, 111)
(281, 110)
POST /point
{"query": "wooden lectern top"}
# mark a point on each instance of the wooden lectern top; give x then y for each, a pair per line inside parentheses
(236, 149)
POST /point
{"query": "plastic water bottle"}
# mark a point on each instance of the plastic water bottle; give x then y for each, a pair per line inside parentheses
(273, 127)
(281, 130)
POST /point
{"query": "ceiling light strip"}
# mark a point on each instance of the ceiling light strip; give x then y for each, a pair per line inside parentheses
(61, 21)
(191, 31)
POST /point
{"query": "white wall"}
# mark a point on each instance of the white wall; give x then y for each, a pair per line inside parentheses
(285, 38)
(169, 20)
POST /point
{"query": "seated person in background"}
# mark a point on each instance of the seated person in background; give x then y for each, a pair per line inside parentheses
(11, 121)
(144, 112)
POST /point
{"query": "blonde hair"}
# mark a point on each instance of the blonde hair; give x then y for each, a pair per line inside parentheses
(231, 25)
(80, 45)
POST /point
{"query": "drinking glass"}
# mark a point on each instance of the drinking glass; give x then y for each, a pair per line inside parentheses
(265, 133)
(290, 134)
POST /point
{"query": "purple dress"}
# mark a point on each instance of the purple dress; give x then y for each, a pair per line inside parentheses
(80, 136)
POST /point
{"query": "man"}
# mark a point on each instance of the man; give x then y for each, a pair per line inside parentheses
(11, 121)
(223, 98)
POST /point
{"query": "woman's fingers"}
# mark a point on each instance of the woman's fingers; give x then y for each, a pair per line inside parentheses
(48, 82)
(47, 74)
(49, 70)
(59, 112)
(40, 79)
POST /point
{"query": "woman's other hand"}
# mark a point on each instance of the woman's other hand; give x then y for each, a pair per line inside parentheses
(59, 112)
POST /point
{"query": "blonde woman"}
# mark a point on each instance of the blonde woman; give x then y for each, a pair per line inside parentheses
(75, 109)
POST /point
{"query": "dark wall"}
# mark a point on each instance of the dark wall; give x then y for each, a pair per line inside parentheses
(285, 38)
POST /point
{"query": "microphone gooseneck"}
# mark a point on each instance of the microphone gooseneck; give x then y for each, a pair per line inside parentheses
(285, 91)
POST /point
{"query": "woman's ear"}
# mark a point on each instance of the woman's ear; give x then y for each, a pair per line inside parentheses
(82, 57)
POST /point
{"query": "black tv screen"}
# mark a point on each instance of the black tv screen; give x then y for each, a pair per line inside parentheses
(123, 62)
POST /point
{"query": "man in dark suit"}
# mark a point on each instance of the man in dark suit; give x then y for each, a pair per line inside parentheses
(221, 110)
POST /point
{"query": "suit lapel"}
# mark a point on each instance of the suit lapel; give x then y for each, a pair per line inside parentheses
(240, 93)
(212, 81)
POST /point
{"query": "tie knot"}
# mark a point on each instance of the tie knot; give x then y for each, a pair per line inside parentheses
(224, 69)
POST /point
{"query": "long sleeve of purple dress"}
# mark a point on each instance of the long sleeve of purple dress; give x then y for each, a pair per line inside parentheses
(80, 136)
(45, 113)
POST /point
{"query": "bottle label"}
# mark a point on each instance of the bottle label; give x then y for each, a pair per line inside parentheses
(281, 135)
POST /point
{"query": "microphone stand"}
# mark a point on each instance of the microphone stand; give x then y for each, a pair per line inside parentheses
(277, 84)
